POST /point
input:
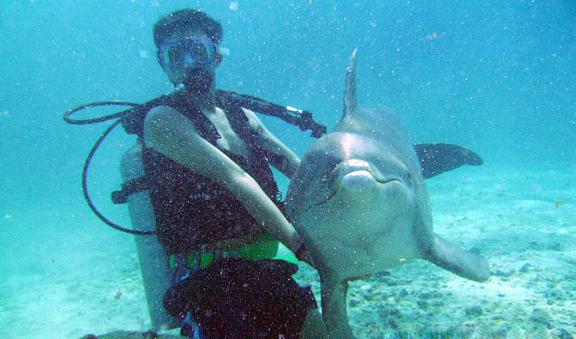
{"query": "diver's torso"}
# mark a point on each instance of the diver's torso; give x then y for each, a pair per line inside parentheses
(229, 141)
(192, 210)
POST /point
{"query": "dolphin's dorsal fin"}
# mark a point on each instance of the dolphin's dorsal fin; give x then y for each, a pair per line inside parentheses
(350, 99)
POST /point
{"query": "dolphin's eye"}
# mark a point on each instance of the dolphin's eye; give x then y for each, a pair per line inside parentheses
(407, 178)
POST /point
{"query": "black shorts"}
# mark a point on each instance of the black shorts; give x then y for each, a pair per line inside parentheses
(240, 298)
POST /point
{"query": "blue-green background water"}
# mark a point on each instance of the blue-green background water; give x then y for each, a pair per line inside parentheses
(496, 76)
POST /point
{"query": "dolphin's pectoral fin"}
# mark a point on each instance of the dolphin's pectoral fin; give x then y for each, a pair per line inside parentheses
(456, 260)
(334, 308)
(439, 158)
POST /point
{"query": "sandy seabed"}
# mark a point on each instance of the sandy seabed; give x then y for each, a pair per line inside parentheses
(68, 284)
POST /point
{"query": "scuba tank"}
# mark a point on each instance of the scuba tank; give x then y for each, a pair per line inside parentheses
(154, 262)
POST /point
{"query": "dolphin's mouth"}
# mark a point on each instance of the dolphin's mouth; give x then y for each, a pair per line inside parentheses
(357, 170)
(356, 166)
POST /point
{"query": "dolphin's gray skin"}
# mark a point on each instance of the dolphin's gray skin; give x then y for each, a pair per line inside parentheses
(360, 203)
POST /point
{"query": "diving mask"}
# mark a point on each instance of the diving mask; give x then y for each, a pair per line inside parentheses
(188, 52)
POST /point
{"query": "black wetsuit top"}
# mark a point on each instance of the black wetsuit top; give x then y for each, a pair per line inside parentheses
(192, 210)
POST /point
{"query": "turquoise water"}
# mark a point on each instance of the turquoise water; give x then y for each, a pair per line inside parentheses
(495, 76)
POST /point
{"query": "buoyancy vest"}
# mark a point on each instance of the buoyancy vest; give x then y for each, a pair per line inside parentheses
(192, 210)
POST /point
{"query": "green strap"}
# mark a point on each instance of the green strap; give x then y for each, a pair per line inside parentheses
(265, 248)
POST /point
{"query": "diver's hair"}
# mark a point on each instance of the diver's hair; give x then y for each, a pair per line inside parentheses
(184, 20)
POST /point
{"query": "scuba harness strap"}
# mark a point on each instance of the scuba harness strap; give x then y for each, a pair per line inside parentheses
(241, 125)
(294, 116)
(133, 119)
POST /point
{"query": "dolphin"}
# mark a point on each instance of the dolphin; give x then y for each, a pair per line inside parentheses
(360, 203)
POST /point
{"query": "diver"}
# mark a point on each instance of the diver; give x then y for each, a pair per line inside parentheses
(215, 201)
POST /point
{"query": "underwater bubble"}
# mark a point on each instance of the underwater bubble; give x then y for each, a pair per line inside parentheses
(224, 51)
(234, 5)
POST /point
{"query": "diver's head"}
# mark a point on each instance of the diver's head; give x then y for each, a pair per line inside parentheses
(187, 43)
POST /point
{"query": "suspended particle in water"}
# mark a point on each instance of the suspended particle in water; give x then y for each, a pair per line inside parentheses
(432, 36)
(234, 5)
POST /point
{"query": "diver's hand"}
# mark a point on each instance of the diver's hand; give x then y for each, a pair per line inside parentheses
(304, 255)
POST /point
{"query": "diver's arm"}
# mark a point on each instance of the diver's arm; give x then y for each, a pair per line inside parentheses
(286, 161)
(170, 133)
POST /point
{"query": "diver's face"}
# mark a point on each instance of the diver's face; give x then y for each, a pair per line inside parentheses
(185, 55)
